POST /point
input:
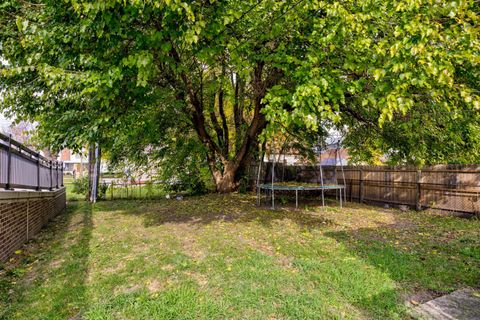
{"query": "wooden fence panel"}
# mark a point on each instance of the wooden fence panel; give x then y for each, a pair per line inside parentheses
(446, 187)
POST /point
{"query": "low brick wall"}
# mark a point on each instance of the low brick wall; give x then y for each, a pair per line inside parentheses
(24, 213)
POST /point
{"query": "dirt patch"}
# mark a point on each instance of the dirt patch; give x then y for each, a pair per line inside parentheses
(268, 250)
(154, 285)
(126, 290)
(55, 264)
(402, 224)
(192, 250)
(168, 267)
(199, 278)
(114, 269)
(421, 296)
(190, 245)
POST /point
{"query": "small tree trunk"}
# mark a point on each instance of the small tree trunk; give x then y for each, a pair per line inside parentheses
(91, 166)
(96, 176)
(93, 171)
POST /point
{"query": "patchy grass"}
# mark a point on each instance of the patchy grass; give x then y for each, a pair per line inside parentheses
(219, 256)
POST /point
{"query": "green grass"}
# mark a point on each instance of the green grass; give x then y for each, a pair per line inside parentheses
(219, 256)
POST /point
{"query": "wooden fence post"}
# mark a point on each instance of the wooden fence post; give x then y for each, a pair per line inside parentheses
(351, 189)
(361, 187)
(418, 204)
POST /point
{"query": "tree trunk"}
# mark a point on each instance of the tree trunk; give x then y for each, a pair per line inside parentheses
(227, 182)
(227, 179)
(93, 171)
(91, 166)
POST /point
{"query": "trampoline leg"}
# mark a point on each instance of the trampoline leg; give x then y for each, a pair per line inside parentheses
(258, 196)
(296, 199)
(340, 190)
(323, 199)
(273, 199)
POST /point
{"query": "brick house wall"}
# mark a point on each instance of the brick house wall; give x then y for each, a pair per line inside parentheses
(23, 214)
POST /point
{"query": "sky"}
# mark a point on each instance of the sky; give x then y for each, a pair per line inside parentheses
(4, 123)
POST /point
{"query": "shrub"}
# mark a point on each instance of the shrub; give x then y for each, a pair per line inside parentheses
(80, 186)
(243, 186)
(102, 191)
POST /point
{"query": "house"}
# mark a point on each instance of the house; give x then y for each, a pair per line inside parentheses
(77, 163)
(23, 132)
(329, 157)
(334, 157)
(73, 163)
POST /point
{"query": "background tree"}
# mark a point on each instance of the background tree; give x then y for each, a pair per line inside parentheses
(401, 79)
(128, 72)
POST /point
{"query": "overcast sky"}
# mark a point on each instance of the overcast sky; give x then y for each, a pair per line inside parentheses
(4, 123)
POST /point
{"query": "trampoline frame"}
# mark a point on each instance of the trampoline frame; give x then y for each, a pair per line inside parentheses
(285, 187)
(273, 187)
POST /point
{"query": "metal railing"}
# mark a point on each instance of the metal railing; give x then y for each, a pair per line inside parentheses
(23, 168)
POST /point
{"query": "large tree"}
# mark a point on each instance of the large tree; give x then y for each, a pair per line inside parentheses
(137, 74)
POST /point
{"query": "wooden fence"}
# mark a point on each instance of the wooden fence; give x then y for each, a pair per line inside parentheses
(445, 187)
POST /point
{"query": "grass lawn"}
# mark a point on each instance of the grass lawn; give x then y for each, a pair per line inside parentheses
(219, 256)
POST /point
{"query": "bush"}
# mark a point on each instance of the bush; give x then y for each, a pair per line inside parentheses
(80, 186)
(243, 185)
(191, 184)
(102, 191)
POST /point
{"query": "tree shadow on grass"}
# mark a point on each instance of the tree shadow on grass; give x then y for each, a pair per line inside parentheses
(48, 279)
(390, 259)
(218, 208)
(424, 265)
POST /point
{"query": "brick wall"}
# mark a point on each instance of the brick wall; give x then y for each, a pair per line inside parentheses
(23, 214)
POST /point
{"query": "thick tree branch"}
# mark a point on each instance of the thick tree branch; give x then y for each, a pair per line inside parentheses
(216, 125)
(238, 119)
(197, 116)
(358, 116)
(258, 122)
(221, 111)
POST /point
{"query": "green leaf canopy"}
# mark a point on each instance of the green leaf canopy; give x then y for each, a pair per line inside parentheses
(400, 78)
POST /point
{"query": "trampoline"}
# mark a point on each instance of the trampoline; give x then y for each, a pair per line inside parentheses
(297, 187)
